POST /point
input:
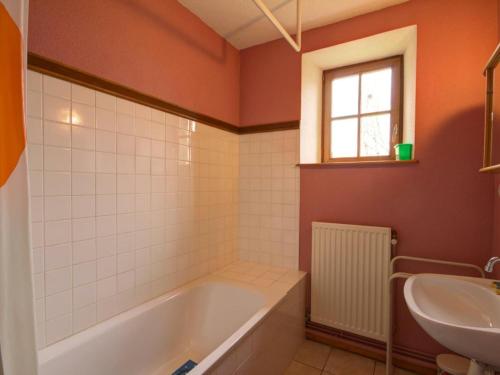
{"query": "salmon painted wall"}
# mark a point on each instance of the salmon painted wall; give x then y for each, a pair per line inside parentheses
(496, 192)
(155, 46)
(496, 224)
(441, 207)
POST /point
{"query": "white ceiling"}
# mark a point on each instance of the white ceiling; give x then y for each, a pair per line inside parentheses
(243, 25)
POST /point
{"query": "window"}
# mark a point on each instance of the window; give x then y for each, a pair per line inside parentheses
(362, 112)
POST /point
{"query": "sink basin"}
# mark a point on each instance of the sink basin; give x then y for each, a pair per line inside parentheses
(461, 313)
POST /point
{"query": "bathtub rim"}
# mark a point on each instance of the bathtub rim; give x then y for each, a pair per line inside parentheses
(277, 296)
(272, 296)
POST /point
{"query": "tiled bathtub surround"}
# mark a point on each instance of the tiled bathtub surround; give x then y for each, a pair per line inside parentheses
(269, 198)
(127, 203)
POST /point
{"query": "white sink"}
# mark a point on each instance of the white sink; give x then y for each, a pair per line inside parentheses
(461, 313)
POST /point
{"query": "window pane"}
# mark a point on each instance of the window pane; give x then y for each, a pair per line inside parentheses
(376, 90)
(344, 138)
(345, 96)
(375, 135)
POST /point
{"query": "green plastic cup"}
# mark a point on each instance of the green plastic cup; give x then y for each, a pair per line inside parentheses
(403, 151)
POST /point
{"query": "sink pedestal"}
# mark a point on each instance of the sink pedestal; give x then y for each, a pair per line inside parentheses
(477, 368)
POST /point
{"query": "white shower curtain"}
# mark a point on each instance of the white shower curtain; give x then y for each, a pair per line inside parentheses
(17, 326)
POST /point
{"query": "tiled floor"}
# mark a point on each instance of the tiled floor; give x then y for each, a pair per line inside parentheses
(314, 358)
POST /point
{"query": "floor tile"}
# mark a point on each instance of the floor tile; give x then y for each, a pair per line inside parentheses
(313, 354)
(344, 363)
(380, 370)
(297, 368)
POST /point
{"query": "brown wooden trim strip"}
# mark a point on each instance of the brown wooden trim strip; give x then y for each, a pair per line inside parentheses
(403, 357)
(55, 69)
(277, 126)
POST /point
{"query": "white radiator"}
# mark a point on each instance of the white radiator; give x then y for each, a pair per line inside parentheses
(350, 269)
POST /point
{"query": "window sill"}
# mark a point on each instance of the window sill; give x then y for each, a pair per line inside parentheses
(367, 163)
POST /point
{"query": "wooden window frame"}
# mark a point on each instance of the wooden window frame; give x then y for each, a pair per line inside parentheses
(396, 112)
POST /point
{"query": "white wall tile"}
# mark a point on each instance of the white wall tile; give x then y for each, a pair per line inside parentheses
(124, 106)
(57, 329)
(103, 238)
(84, 295)
(34, 130)
(158, 116)
(105, 141)
(105, 162)
(80, 94)
(106, 287)
(84, 318)
(124, 123)
(82, 161)
(105, 101)
(57, 183)
(34, 104)
(84, 251)
(84, 273)
(142, 165)
(58, 256)
(142, 128)
(125, 164)
(35, 157)
(105, 183)
(125, 261)
(106, 204)
(56, 109)
(105, 119)
(83, 206)
(83, 138)
(57, 281)
(125, 281)
(34, 81)
(56, 87)
(58, 304)
(83, 183)
(142, 111)
(56, 134)
(106, 225)
(106, 246)
(142, 147)
(83, 229)
(57, 232)
(106, 267)
(57, 159)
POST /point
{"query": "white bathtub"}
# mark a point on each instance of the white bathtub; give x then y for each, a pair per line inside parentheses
(210, 321)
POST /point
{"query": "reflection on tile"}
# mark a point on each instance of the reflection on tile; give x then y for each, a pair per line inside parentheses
(313, 354)
(345, 363)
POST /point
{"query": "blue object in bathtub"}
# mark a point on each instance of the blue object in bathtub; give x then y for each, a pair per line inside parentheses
(185, 368)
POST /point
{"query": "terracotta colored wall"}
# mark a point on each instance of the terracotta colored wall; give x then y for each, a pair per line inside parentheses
(496, 224)
(496, 194)
(154, 46)
(441, 207)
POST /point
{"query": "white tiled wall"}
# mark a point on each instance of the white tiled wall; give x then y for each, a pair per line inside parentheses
(127, 203)
(269, 198)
